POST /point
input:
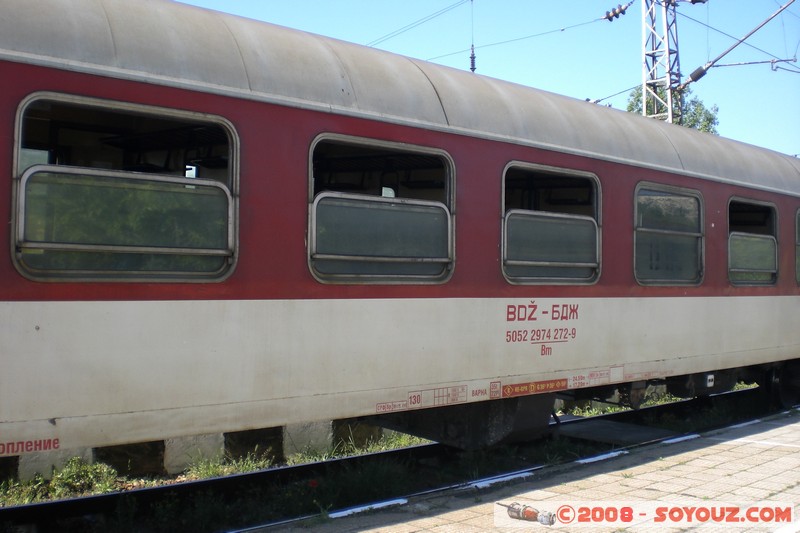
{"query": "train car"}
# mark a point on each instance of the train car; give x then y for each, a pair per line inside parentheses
(217, 224)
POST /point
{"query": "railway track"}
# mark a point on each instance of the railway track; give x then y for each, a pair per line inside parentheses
(182, 506)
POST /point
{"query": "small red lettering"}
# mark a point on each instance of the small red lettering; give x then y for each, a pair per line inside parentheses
(28, 446)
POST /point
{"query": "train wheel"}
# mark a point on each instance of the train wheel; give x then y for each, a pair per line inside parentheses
(632, 394)
(783, 384)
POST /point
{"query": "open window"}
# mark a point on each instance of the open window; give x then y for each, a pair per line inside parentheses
(380, 212)
(668, 238)
(752, 243)
(551, 230)
(116, 191)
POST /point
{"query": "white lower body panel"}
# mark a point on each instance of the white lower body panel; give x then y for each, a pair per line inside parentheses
(102, 373)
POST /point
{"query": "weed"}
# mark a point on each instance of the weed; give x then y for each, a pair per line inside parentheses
(595, 409)
(79, 478)
(308, 496)
(390, 441)
(76, 478)
(208, 468)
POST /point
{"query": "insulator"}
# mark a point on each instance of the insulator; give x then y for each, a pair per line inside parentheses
(616, 12)
(472, 59)
(698, 73)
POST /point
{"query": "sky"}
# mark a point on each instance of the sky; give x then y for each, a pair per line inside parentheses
(568, 48)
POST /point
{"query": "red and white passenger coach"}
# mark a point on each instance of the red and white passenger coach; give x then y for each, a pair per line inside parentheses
(217, 224)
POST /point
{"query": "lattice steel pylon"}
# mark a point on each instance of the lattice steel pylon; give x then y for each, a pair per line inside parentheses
(661, 70)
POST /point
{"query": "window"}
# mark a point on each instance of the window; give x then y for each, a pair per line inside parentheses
(380, 212)
(797, 249)
(668, 241)
(752, 246)
(550, 227)
(113, 191)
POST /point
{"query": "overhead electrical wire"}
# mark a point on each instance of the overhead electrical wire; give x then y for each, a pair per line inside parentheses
(516, 39)
(773, 62)
(416, 23)
(472, 48)
(701, 71)
(628, 90)
(788, 11)
(745, 43)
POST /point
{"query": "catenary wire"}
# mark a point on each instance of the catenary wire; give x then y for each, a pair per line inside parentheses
(416, 23)
(734, 38)
(516, 39)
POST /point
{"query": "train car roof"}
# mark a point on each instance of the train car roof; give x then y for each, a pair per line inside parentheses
(161, 41)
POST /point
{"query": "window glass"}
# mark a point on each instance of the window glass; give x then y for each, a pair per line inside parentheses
(410, 239)
(752, 258)
(550, 229)
(752, 247)
(72, 221)
(122, 193)
(797, 249)
(668, 238)
(380, 213)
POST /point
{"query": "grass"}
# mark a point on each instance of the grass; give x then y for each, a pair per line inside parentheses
(594, 408)
(79, 478)
(226, 466)
(331, 490)
(391, 440)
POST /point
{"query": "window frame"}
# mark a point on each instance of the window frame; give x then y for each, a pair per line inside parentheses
(507, 214)
(391, 278)
(700, 236)
(772, 237)
(797, 247)
(20, 178)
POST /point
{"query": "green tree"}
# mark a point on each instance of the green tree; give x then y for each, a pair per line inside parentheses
(695, 114)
